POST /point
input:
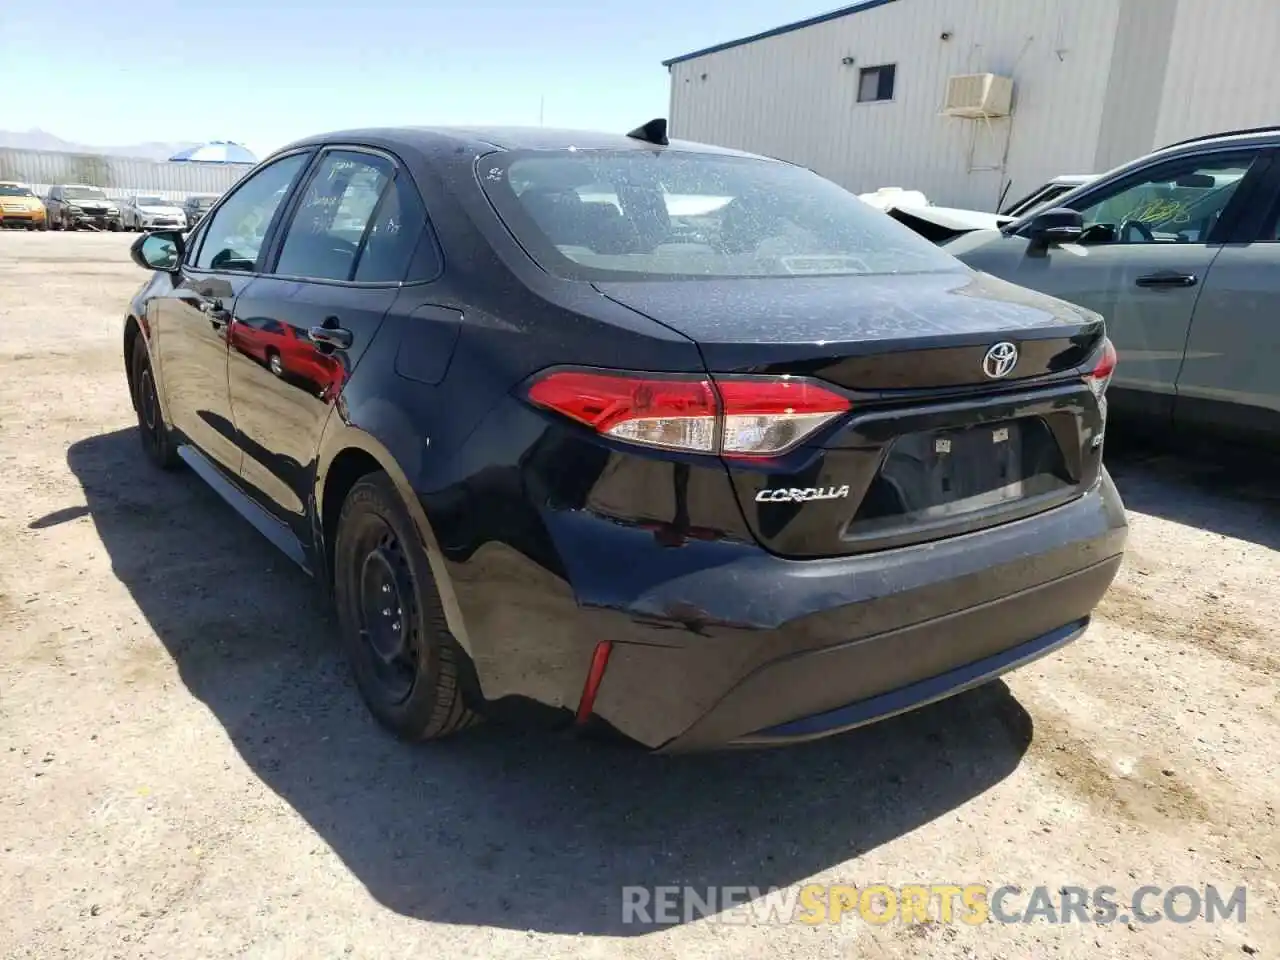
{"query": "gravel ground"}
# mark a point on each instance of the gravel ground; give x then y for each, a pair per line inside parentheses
(186, 769)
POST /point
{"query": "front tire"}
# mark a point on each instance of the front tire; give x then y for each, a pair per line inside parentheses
(157, 441)
(406, 663)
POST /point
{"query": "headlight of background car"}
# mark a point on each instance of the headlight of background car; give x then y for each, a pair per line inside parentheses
(73, 208)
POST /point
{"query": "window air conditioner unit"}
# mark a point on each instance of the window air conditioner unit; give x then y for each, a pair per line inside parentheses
(976, 96)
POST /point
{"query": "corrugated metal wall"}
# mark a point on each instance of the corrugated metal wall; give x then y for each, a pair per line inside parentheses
(1222, 65)
(117, 175)
(1136, 82)
(791, 96)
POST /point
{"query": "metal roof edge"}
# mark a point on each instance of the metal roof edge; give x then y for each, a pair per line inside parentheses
(778, 31)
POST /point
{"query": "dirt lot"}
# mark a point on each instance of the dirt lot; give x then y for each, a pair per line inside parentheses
(186, 770)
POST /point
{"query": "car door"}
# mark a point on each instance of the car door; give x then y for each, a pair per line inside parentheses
(190, 323)
(336, 271)
(1230, 377)
(1151, 236)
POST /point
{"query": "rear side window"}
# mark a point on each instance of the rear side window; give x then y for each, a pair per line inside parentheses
(357, 219)
(636, 214)
(394, 231)
(324, 237)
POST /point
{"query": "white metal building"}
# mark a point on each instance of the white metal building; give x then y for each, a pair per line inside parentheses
(865, 95)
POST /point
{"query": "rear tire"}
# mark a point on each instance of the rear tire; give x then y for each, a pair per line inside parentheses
(406, 663)
(157, 441)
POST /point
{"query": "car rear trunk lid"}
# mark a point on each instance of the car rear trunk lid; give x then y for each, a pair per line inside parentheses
(934, 445)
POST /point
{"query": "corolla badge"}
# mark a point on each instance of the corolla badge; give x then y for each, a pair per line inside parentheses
(1000, 360)
(799, 495)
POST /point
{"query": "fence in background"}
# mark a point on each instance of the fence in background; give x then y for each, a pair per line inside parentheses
(118, 176)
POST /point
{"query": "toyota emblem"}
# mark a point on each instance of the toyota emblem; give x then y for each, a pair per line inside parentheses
(1000, 360)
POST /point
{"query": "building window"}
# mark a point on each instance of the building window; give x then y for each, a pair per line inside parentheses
(876, 83)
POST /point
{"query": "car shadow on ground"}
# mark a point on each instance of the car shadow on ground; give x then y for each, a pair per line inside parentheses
(1223, 489)
(497, 827)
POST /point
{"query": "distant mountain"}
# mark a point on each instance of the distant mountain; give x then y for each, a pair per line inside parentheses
(43, 140)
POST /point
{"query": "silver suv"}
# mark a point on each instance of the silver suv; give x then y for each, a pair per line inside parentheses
(1180, 251)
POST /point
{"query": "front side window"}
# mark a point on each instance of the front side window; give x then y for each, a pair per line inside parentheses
(1179, 202)
(233, 239)
(637, 214)
(325, 236)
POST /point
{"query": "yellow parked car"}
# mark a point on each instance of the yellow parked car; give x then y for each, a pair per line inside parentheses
(19, 207)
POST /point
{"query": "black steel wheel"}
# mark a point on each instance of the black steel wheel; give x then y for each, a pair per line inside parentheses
(406, 663)
(157, 442)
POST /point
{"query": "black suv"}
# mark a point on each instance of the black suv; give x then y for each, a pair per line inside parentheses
(630, 434)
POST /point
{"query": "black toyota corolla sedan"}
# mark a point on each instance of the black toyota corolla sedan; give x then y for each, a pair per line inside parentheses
(624, 433)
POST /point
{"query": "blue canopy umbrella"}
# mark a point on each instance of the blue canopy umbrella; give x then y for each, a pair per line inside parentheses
(215, 151)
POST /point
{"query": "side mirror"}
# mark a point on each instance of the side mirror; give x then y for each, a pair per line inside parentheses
(161, 250)
(1059, 225)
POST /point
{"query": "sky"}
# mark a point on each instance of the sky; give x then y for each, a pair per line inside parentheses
(265, 73)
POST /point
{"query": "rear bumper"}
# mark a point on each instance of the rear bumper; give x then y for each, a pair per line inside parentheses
(878, 677)
(785, 650)
(717, 642)
(914, 695)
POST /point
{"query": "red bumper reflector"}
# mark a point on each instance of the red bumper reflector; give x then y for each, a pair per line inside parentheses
(599, 660)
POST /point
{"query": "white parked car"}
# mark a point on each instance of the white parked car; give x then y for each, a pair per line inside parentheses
(941, 224)
(143, 211)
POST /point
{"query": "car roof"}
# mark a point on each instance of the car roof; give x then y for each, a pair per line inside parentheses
(437, 141)
(1258, 136)
(1269, 134)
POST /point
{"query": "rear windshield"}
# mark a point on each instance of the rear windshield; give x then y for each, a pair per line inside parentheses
(598, 215)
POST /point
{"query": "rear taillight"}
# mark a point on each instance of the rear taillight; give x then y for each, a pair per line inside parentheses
(766, 416)
(1100, 376)
(736, 417)
(671, 412)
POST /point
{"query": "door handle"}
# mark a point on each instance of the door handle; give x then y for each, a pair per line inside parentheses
(336, 337)
(1168, 280)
